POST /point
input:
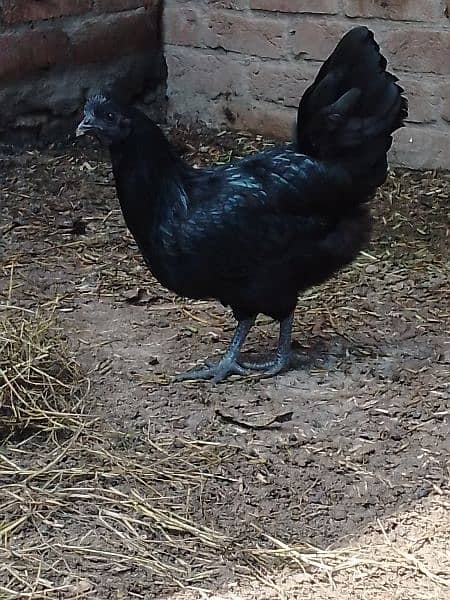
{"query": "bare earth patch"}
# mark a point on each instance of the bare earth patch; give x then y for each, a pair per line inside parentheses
(331, 481)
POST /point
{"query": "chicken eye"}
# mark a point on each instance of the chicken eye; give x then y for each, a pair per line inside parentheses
(110, 116)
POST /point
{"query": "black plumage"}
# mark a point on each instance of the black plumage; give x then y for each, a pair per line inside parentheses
(255, 233)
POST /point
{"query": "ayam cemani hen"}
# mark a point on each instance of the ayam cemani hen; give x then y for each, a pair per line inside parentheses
(257, 232)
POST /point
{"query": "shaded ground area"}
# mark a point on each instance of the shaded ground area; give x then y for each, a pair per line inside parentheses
(328, 481)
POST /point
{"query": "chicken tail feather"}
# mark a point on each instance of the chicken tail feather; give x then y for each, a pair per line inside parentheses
(349, 113)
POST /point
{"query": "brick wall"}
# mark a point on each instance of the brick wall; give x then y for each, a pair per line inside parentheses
(245, 63)
(53, 53)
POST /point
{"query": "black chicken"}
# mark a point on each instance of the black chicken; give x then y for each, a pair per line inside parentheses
(257, 232)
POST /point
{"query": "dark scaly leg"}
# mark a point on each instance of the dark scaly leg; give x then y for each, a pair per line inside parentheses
(283, 354)
(228, 364)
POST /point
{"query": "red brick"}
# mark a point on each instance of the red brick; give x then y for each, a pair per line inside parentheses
(297, 6)
(236, 4)
(291, 79)
(422, 148)
(19, 11)
(445, 95)
(401, 10)
(31, 51)
(109, 6)
(419, 50)
(316, 40)
(260, 36)
(275, 122)
(424, 97)
(267, 119)
(194, 72)
(101, 40)
(185, 26)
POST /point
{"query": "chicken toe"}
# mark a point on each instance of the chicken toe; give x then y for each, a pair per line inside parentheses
(283, 357)
(228, 365)
(218, 371)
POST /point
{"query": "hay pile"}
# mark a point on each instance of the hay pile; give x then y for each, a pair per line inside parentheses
(39, 378)
(103, 496)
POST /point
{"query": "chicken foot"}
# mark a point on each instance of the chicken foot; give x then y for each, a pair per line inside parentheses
(283, 356)
(228, 364)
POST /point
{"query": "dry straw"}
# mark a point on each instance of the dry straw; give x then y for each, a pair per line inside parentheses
(66, 483)
(64, 479)
(40, 382)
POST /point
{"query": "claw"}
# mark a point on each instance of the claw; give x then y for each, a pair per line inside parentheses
(218, 371)
(283, 356)
(270, 367)
(262, 366)
(230, 365)
(280, 364)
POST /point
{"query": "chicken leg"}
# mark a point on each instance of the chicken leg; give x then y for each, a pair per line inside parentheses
(283, 356)
(228, 364)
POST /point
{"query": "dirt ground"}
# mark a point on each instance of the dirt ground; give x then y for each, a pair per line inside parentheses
(346, 495)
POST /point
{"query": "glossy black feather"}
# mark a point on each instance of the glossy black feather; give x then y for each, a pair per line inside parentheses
(352, 109)
(255, 233)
